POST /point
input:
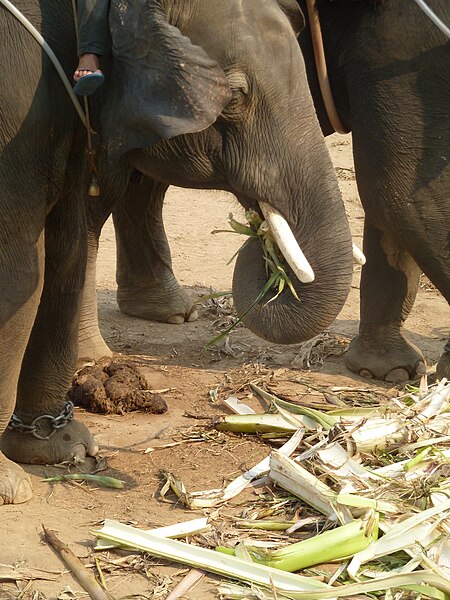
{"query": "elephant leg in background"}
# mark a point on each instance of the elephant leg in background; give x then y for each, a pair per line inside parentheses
(91, 345)
(389, 283)
(147, 287)
(50, 356)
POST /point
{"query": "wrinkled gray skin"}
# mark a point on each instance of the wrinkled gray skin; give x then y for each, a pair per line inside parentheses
(389, 71)
(266, 144)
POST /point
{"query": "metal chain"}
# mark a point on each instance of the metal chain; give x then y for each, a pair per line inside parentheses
(64, 417)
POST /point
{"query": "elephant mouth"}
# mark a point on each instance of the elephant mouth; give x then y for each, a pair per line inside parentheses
(290, 248)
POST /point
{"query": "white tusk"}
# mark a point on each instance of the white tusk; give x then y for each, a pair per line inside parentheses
(358, 255)
(287, 243)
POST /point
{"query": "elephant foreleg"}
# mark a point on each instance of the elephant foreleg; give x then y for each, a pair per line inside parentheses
(389, 283)
(21, 276)
(50, 357)
(147, 287)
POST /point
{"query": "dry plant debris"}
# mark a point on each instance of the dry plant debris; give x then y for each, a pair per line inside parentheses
(314, 352)
(366, 487)
(23, 573)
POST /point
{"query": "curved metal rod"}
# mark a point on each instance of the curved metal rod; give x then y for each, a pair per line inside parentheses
(433, 16)
(38, 37)
(321, 67)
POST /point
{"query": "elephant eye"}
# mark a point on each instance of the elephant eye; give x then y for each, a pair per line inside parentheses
(238, 83)
(240, 89)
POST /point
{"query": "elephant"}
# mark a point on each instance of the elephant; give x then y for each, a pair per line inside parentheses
(189, 100)
(391, 83)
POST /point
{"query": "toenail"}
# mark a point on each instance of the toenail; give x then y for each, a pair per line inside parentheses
(365, 373)
(421, 369)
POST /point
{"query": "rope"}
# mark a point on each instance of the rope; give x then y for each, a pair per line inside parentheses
(433, 16)
(38, 37)
(321, 68)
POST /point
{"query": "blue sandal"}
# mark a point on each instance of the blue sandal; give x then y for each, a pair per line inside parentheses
(88, 84)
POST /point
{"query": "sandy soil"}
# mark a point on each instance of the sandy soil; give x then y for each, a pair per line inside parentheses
(196, 382)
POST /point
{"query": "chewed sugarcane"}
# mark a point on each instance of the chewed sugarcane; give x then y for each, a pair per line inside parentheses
(277, 277)
(276, 271)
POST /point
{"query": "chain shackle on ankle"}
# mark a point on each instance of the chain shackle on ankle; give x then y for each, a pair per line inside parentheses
(64, 417)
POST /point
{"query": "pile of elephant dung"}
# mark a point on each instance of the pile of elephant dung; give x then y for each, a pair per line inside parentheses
(114, 388)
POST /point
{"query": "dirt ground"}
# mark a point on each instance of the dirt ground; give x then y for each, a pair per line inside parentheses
(195, 381)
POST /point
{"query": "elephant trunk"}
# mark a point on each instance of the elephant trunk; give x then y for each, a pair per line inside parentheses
(316, 216)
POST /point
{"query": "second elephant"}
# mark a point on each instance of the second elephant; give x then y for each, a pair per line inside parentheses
(389, 71)
(190, 100)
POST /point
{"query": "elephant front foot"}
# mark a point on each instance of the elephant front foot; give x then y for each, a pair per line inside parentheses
(170, 304)
(72, 443)
(15, 485)
(390, 359)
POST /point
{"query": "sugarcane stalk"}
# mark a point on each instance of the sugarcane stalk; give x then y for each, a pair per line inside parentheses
(336, 544)
(74, 564)
(258, 423)
(110, 482)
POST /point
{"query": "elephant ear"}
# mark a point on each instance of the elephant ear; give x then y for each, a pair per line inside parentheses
(161, 84)
(294, 13)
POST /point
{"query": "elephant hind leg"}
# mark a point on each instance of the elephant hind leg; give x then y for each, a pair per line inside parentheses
(389, 283)
(147, 286)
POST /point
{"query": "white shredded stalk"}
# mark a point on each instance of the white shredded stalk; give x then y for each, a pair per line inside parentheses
(238, 407)
(417, 529)
(293, 477)
(178, 530)
(209, 560)
(377, 432)
(434, 402)
(211, 498)
(381, 432)
(347, 471)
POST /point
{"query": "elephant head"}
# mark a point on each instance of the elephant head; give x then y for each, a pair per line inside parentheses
(214, 95)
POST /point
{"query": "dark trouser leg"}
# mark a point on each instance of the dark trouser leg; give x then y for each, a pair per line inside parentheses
(92, 21)
(147, 287)
(389, 283)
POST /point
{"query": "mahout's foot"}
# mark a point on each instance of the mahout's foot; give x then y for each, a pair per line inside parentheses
(88, 76)
(173, 306)
(15, 484)
(87, 63)
(390, 359)
(71, 443)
